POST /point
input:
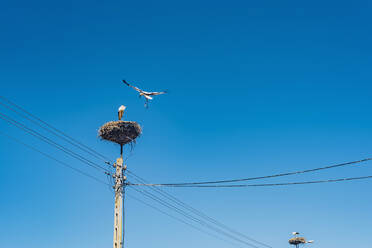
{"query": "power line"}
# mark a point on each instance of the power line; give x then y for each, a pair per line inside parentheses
(51, 142)
(85, 174)
(259, 185)
(82, 146)
(36, 134)
(180, 220)
(192, 184)
(54, 159)
(195, 211)
(185, 214)
(262, 177)
(53, 130)
(199, 213)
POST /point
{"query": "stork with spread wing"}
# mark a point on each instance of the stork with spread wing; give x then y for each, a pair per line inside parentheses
(147, 95)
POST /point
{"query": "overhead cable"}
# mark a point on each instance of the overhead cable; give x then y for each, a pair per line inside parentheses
(264, 177)
(195, 211)
(181, 220)
(54, 159)
(51, 142)
(193, 218)
(52, 129)
(259, 185)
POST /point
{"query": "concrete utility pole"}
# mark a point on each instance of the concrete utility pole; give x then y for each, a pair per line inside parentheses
(120, 132)
(119, 202)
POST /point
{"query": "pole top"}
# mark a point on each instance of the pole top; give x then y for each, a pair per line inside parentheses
(119, 161)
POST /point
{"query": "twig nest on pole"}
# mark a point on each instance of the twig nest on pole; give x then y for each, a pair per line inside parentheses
(120, 132)
(297, 241)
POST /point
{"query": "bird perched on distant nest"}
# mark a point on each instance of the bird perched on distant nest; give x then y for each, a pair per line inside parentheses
(147, 95)
(121, 111)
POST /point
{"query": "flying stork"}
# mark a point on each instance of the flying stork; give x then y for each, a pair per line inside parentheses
(147, 95)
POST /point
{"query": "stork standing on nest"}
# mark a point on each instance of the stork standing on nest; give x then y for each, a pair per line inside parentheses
(121, 111)
(120, 115)
(146, 94)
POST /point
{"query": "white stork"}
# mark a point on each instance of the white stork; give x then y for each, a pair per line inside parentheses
(147, 95)
(121, 111)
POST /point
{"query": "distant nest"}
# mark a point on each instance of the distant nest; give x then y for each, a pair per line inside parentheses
(120, 132)
(297, 241)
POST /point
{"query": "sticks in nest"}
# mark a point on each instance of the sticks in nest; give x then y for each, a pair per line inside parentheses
(120, 132)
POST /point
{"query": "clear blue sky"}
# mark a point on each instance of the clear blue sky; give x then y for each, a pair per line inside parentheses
(255, 89)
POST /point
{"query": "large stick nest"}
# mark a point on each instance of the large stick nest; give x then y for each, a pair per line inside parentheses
(120, 132)
(297, 241)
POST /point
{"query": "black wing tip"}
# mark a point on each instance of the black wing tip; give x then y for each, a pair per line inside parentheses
(124, 81)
